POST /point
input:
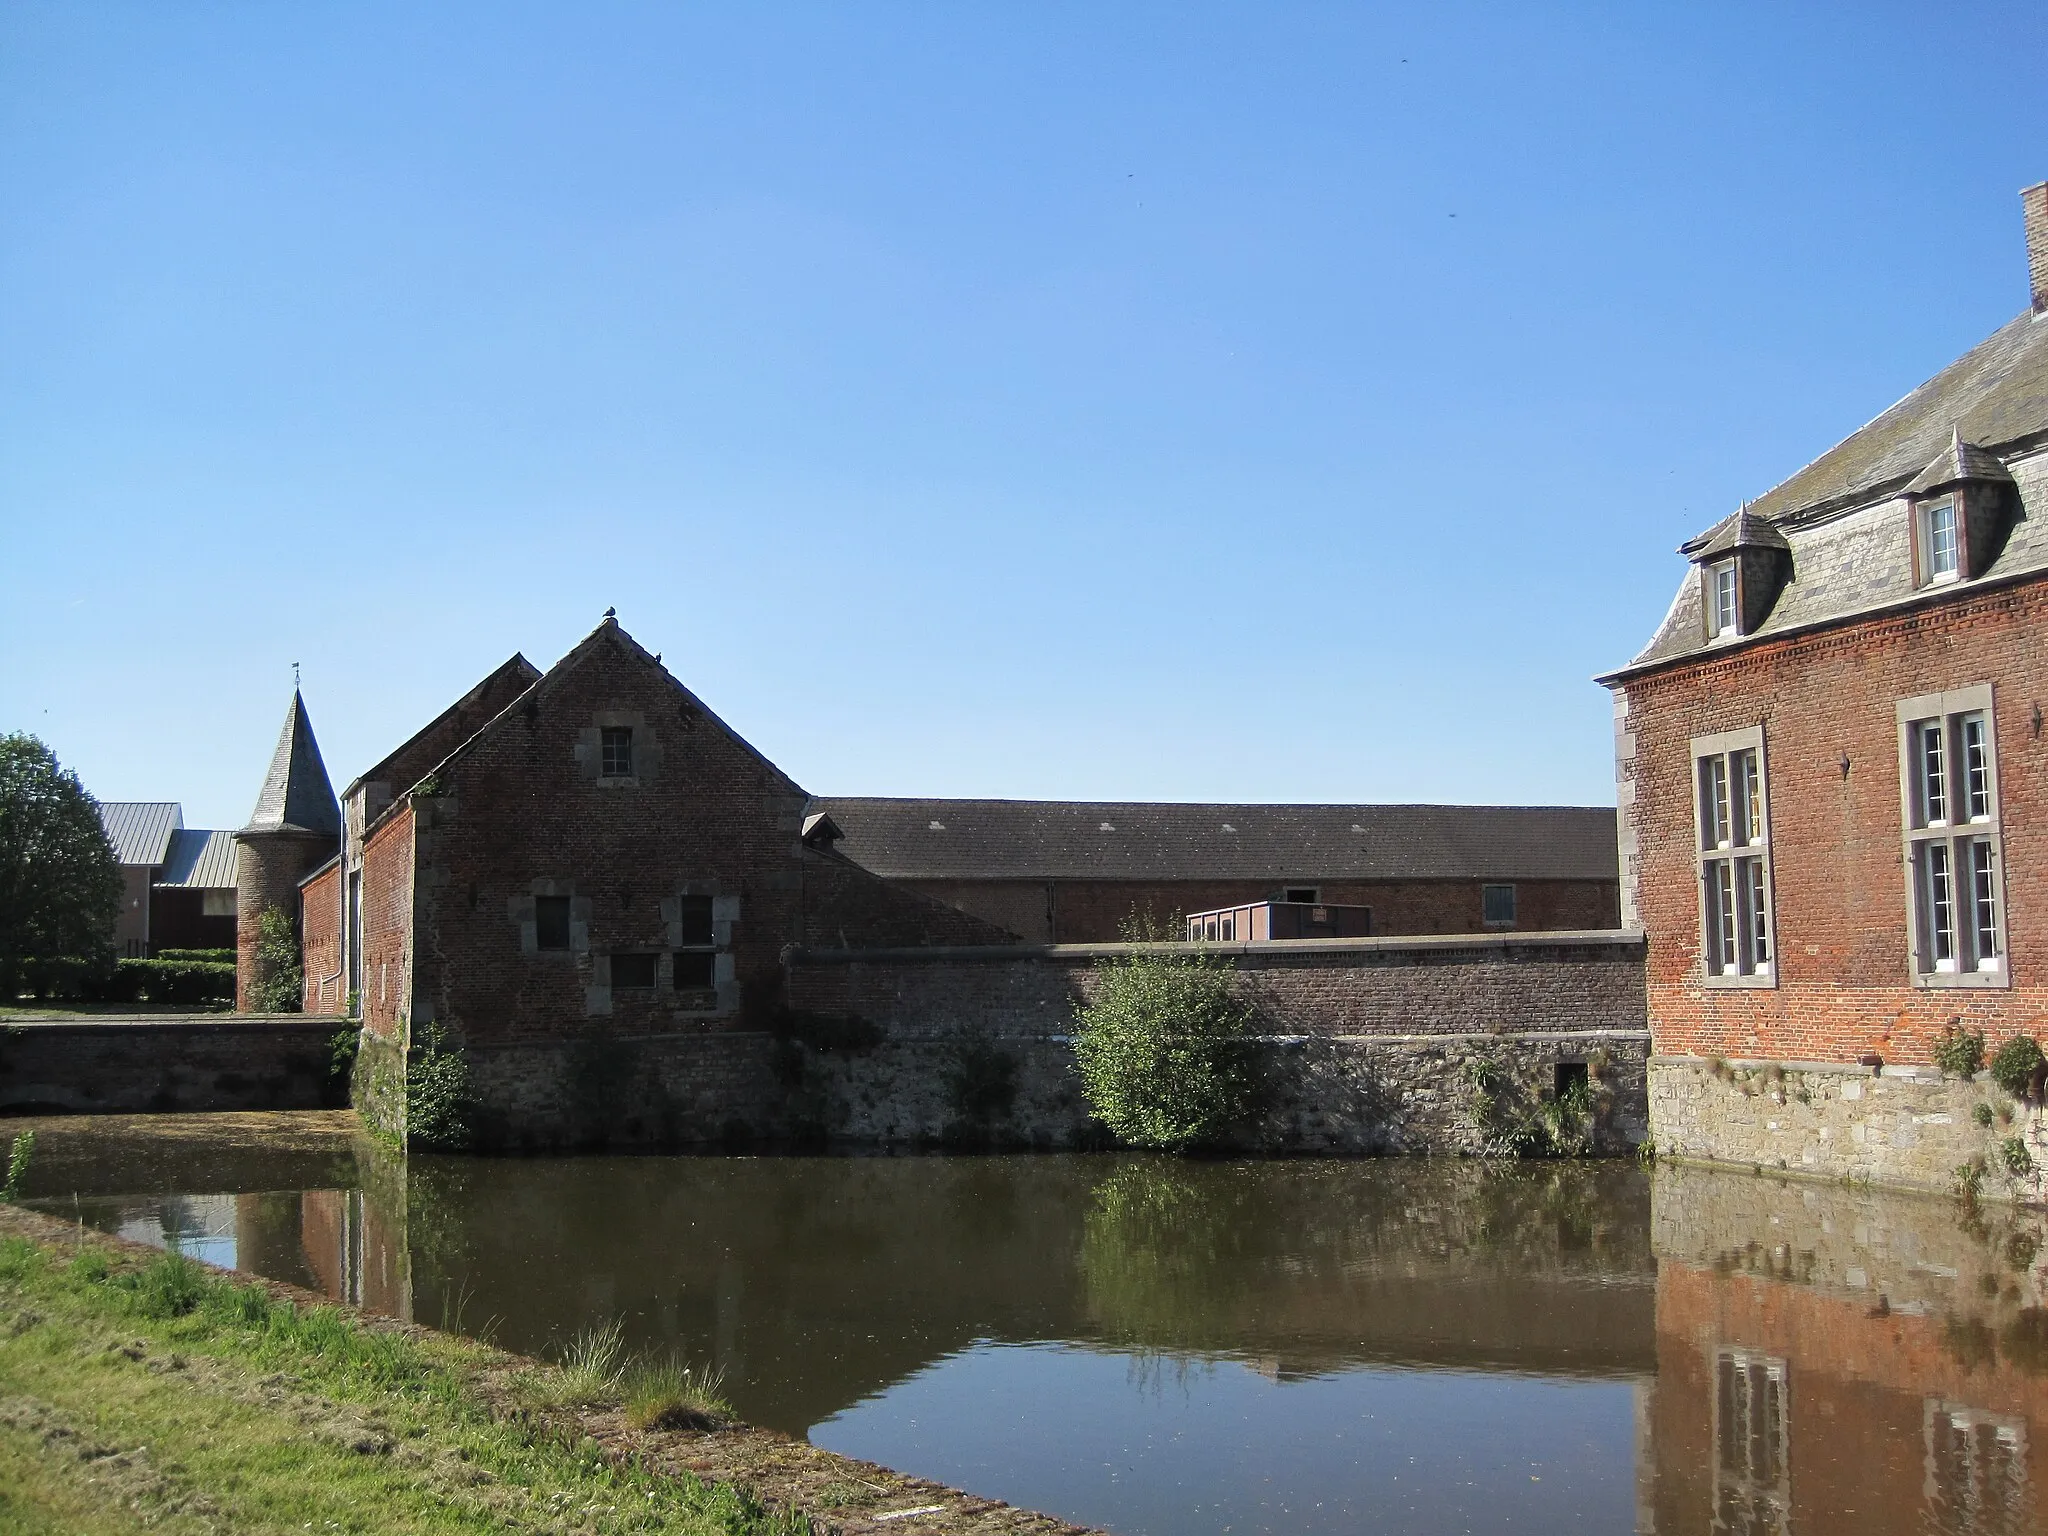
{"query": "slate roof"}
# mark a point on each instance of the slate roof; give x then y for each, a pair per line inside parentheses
(1845, 517)
(200, 860)
(906, 839)
(297, 796)
(140, 830)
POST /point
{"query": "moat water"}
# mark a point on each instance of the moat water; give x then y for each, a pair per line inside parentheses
(1164, 1346)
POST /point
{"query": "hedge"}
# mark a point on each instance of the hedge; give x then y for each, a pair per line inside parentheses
(204, 956)
(132, 981)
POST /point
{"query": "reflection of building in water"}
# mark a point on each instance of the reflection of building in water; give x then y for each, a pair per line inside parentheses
(1782, 1407)
(1752, 1451)
(1976, 1471)
(352, 1252)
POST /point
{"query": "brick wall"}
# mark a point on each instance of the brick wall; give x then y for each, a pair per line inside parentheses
(1309, 987)
(320, 943)
(168, 1065)
(1844, 986)
(268, 867)
(1096, 911)
(388, 925)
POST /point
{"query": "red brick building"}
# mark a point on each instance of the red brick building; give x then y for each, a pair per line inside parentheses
(1830, 757)
(583, 855)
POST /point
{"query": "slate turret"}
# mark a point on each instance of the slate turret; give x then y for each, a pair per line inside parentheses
(295, 827)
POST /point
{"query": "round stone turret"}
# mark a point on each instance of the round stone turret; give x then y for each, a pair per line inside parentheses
(295, 828)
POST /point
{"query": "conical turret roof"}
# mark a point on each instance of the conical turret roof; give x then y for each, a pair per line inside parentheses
(297, 796)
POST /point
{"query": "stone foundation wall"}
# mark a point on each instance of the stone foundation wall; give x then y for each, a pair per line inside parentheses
(1367, 1046)
(1909, 1127)
(169, 1064)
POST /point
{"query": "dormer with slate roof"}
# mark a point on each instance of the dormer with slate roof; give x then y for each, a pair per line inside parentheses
(1961, 508)
(1744, 563)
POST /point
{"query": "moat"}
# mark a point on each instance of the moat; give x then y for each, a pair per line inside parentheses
(1170, 1346)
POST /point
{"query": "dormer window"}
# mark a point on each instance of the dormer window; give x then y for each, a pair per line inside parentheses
(1722, 613)
(1940, 549)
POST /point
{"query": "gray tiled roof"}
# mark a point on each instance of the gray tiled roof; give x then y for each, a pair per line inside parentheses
(1845, 518)
(297, 796)
(1148, 840)
(1996, 394)
(140, 830)
(200, 860)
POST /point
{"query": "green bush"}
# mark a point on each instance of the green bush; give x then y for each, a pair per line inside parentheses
(2013, 1067)
(439, 1103)
(204, 956)
(1960, 1051)
(1163, 1050)
(280, 983)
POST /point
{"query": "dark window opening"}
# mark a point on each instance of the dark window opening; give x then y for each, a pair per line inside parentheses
(618, 751)
(1571, 1075)
(1497, 904)
(551, 922)
(693, 970)
(634, 973)
(1305, 894)
(695, 922)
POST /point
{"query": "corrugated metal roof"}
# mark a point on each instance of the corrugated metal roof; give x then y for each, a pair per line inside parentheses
(1123, 840)
(200, 860)
(140, 830)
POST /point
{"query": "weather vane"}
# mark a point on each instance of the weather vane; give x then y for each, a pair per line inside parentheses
(295, 676)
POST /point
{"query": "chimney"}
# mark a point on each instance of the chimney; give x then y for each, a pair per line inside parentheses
(2034, 201)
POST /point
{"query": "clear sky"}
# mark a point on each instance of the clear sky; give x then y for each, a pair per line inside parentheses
(1174, 401)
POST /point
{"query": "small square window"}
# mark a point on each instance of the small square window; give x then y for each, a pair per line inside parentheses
(551, 922)
(634, 973)
(1304, 895)
(617, 742)
(694, 970)
(1497, 905)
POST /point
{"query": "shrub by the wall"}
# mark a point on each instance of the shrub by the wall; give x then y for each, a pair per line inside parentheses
(1163, 1049)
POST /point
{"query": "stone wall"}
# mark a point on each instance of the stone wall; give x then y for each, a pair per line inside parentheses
(1368, 1046)
(1909, 1127)
(168, 1064)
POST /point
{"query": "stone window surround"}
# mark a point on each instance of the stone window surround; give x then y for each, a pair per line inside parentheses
(646, 749)
(1975, 699)
(520, 909)
(723, 995)
(1750, 738)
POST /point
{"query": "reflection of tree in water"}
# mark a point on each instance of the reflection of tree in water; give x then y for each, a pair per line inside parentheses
(1182, 1256)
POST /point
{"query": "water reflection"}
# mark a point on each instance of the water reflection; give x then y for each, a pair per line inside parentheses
(1167, 1346)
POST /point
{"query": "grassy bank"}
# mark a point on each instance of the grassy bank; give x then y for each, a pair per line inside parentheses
(142, 1391)
(153, 1393)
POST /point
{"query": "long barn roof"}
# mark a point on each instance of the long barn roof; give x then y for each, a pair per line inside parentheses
(140, 830)
(907, 839)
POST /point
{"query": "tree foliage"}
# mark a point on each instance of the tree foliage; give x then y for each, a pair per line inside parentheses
(60, 889)
(1163, 1049)
(280, 980)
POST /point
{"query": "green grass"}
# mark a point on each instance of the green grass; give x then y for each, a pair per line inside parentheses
(158, 1394)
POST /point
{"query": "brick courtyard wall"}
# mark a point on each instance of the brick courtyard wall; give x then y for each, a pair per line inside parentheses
(388, 925)
(1096, 911)
(326, 989)
(1844, 986)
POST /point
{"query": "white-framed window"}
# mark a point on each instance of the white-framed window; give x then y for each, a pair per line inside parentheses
(615, 745)
(1738, 938)
(1497, 905)
(1722, 615)
(1955, 902)
(1940, 542)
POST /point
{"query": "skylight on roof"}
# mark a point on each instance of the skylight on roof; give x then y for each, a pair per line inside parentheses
(938, 826)
(1108, 827)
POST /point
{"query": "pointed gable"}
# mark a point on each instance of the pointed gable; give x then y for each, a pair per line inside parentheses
(297, 796)
(410, 762)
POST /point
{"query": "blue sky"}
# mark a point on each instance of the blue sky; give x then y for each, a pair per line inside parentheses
(1253, 402)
